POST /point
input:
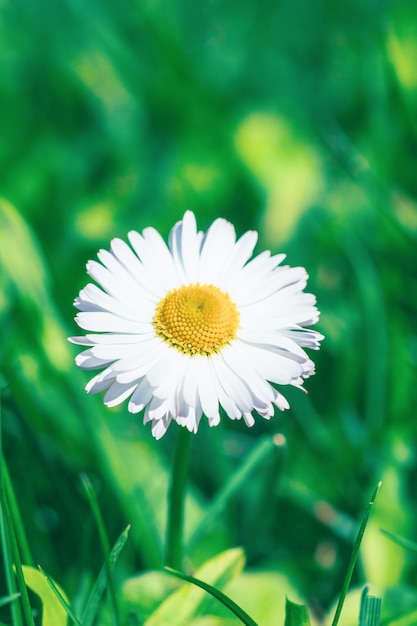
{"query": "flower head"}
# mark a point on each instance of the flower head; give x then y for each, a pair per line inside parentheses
(186, 328)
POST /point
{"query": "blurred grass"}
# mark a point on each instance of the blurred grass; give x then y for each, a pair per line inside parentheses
(295, 118)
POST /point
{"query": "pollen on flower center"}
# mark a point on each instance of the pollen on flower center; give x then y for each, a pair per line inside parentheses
(197, 319)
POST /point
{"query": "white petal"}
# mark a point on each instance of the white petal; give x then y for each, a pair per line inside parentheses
(160, 427)
(218, 245)
(185, 244)
(141, 396)
(117, 393)
(156, 261)
(114, 352)
(169, 360)
(108, 322)
(122, 289)
(280, 401)
(241, 253)
(227, 403)
(190, 384)
(156, 409)
(92, 298)
(190, 247)
(109, 339)
(87, 361)
(168, 379)
(206, 390)
(233, 386)
(249, 419)
(238, 359)
(102, 381)
(271, 365)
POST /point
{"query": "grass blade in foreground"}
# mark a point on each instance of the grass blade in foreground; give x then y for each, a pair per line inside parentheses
(15, 514)
(54, 613)
(5, 540)
(61, 599)
(93, 602)
(370, 612)
(401, 541)
(221, 597)
(296, 614)
(354, 556)
(8, 599)
(14, 550)
(104, 544)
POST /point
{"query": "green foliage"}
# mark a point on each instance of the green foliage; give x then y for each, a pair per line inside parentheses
(53, 613)
(370, 612)
(188, 601)
(296, 614)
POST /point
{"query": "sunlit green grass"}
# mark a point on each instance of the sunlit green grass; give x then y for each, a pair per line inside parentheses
(293, 118)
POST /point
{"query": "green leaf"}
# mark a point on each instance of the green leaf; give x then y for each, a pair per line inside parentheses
(400, 540)
(105, 547)
(15, 236)
(355, 552)
(60, 598)
(370, 611)
(8, 527)
(296, 614)
(188, 601)
(143, 593)
(221, 597)
(93, 602)
(7, 599)
(53, 613)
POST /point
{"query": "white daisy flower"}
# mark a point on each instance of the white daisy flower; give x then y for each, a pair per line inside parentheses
(187, 328)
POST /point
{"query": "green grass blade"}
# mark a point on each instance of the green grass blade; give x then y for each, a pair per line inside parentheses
(11, 586)
(104, 544)
(21, 585)
(265, 447)
(60, 597)
(221, 597)
(93, 602)
(401, 541)
(370, 611)
(354, 556)
(17, 520)
(53, 613)
(8, 599)
(296, 614)
(408, 616)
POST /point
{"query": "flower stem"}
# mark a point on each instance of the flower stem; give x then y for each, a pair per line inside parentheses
(176, 500)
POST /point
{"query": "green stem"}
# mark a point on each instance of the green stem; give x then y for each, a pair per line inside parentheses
(176, 500)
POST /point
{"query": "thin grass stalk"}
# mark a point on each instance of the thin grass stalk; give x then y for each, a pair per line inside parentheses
(354, 556)
(11, 586)
(17, 518)
(14, 550)
(104, 544)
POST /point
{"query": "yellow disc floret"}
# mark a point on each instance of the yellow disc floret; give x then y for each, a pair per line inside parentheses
(197, 319)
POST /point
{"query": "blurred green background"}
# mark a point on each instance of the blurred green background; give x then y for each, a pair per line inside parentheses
(297, 118)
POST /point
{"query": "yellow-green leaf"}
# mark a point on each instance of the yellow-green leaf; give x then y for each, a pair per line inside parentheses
(189, 601)
(53, 613)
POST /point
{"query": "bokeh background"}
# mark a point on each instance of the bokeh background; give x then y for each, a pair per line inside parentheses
(297, 118)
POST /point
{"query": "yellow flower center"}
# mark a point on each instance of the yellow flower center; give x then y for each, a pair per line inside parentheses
(197, 319)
